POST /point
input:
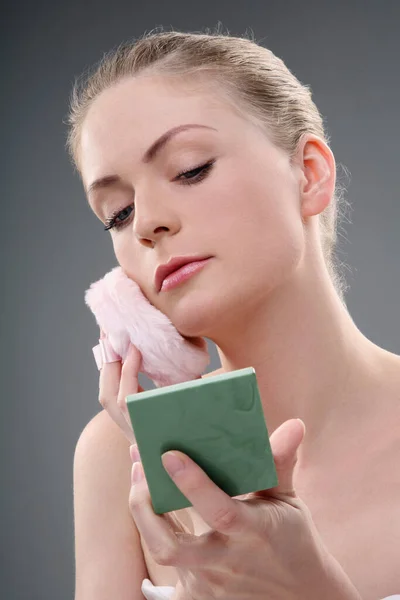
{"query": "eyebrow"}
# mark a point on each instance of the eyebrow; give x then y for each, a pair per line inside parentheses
(149, 155)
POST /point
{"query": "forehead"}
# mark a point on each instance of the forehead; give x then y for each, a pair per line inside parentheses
(126, 118)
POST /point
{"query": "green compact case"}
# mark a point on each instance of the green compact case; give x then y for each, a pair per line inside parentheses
(217, 421)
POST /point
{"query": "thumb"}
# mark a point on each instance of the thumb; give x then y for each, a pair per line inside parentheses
(285, 442)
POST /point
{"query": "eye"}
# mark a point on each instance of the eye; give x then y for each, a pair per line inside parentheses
(123, 214)
(197, 174)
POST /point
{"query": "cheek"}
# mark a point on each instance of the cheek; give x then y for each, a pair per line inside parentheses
(259, 225)
(122, 250)
(130, 264)
(122, 244)
(262, 207)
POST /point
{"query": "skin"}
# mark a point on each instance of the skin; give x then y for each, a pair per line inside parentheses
(265, 299)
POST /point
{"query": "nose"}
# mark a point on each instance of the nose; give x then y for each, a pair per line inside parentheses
(151, 223)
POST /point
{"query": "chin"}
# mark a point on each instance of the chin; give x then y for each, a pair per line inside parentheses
(195, 314)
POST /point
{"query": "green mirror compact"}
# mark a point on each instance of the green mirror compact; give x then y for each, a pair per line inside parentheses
(217, 421)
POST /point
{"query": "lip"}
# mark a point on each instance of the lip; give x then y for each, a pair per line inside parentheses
(173, 265)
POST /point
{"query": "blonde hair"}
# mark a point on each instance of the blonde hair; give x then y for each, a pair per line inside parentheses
(257, 82)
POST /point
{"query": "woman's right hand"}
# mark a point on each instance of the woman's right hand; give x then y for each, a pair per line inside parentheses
(117, 381)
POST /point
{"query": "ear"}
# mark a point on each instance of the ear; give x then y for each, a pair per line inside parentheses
(317, 167)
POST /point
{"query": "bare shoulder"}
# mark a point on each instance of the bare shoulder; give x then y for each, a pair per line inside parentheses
(108, 555)
(102, 463)
(102, 452)
(101, 428)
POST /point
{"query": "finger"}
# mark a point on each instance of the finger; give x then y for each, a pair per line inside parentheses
(129, 382)
(285, 442)
(221, 512)
(176, 525)
(110, 375)
(168, 540)
(158, 531)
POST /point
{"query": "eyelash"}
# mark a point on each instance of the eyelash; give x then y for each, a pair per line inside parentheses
(111, 222)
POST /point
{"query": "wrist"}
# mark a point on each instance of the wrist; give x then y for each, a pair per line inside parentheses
(335, 584)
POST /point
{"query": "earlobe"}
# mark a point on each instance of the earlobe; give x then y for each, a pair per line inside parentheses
(318, 168)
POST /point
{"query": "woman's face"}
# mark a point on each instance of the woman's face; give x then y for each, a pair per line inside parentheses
(243, 209)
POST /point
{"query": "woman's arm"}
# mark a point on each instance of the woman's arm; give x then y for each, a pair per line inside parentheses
(109, 561)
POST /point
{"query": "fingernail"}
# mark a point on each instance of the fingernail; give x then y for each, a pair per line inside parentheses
(134, 452)
(172, 463)
(137, 472)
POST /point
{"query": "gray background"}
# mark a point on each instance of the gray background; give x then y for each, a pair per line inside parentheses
(52, 247)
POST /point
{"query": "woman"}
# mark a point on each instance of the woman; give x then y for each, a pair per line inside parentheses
(227, 117)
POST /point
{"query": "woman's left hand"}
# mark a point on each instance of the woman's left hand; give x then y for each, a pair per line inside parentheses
(263, 546)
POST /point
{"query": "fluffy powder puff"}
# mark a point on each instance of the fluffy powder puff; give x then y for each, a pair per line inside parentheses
(125, 315)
